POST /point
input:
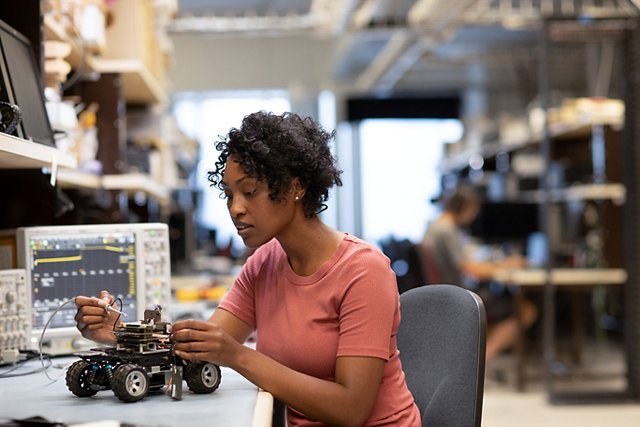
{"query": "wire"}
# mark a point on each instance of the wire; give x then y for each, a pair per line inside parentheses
(119, 315)
(83, 62)
(42, 337)
(20, 364)
(42, 355)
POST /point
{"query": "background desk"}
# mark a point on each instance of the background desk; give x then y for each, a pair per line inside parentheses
(567, 278)
(234, 404)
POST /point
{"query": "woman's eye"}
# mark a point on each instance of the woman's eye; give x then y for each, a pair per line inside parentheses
(250, 193)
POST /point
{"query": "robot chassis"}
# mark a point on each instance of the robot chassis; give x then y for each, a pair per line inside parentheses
(143, 360)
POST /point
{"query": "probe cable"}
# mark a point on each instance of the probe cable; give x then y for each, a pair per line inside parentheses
(107, 308)
(42, 337)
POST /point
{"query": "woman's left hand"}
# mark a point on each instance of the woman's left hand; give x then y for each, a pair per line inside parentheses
(198, 340)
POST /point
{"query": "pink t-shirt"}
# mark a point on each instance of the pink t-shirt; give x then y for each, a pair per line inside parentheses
(349, 307)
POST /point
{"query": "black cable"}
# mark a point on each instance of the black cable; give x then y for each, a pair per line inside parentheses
(120, 309)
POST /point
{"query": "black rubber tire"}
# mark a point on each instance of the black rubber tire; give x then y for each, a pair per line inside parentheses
(202, 377)
(130, 383)
(78, 379)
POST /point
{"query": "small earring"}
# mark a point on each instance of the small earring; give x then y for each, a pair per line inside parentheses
(297, 198)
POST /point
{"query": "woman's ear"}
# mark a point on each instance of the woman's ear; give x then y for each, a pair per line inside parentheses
(298, 190)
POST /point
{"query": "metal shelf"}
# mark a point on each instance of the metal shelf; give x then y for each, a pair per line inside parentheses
(557, 132)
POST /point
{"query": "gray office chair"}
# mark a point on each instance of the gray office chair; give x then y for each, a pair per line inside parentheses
(442, 340)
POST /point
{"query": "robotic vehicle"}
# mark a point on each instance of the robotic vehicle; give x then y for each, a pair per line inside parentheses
(143, 360)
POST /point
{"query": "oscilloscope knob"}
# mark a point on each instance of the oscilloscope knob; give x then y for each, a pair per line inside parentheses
(10, 297)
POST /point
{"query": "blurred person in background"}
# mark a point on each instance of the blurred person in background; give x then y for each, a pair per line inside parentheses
(444, 244)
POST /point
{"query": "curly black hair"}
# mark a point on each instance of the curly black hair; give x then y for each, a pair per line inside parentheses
(279, 148)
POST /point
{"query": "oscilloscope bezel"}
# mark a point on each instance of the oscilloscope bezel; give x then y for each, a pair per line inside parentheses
(70, 335)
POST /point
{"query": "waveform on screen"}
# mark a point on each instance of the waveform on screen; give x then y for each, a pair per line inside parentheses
(77, 257)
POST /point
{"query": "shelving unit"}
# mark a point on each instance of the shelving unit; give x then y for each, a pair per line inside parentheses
(133, 183)
(17, 153)
(572, 172)
(70, 178)
(614, 192)
(558, 132)
(563, 276)
(54, 31)
(595, 153)
(139, 85)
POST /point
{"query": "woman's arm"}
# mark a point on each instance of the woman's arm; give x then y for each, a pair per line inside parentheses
(348, 401)
(231, 324)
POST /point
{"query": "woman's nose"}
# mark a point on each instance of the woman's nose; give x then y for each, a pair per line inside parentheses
(236, 208)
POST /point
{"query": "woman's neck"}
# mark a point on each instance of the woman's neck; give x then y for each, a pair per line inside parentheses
(310, 244)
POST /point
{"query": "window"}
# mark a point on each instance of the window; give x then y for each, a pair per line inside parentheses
(208, 118)
(399, 161)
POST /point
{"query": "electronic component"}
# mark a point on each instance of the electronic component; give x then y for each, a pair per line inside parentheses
(10, 117)
(108, 308)
(131, 261)
(15, 315)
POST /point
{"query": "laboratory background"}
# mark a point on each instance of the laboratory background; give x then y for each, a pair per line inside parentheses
(111, 111)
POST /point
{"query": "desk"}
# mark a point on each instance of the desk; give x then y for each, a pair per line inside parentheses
(236, 403)
(562, 276)
(567, 278)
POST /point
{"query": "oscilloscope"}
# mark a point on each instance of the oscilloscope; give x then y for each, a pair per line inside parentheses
(131, 261)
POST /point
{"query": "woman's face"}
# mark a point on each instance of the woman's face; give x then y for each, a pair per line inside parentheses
(257, 218)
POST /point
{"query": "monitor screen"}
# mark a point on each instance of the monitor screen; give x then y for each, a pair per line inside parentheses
(21, 86)
(499, 222)
(66, 265)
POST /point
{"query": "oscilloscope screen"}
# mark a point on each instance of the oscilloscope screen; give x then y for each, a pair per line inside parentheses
(64, 266)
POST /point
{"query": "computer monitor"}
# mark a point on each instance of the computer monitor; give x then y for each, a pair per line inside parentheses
(20, 85)
(500, 222)
(131, 261)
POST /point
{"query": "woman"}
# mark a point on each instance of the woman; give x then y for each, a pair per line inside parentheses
(324, 303)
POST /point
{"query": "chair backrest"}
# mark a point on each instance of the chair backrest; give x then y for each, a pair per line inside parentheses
(442, 341)
(430, 271)
(405, 262)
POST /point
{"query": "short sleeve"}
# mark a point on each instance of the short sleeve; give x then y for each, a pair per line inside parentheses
(453, 245)
(369, 311)
(241, 298)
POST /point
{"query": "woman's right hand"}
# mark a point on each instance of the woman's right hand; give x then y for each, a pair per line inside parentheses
(93, 321)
